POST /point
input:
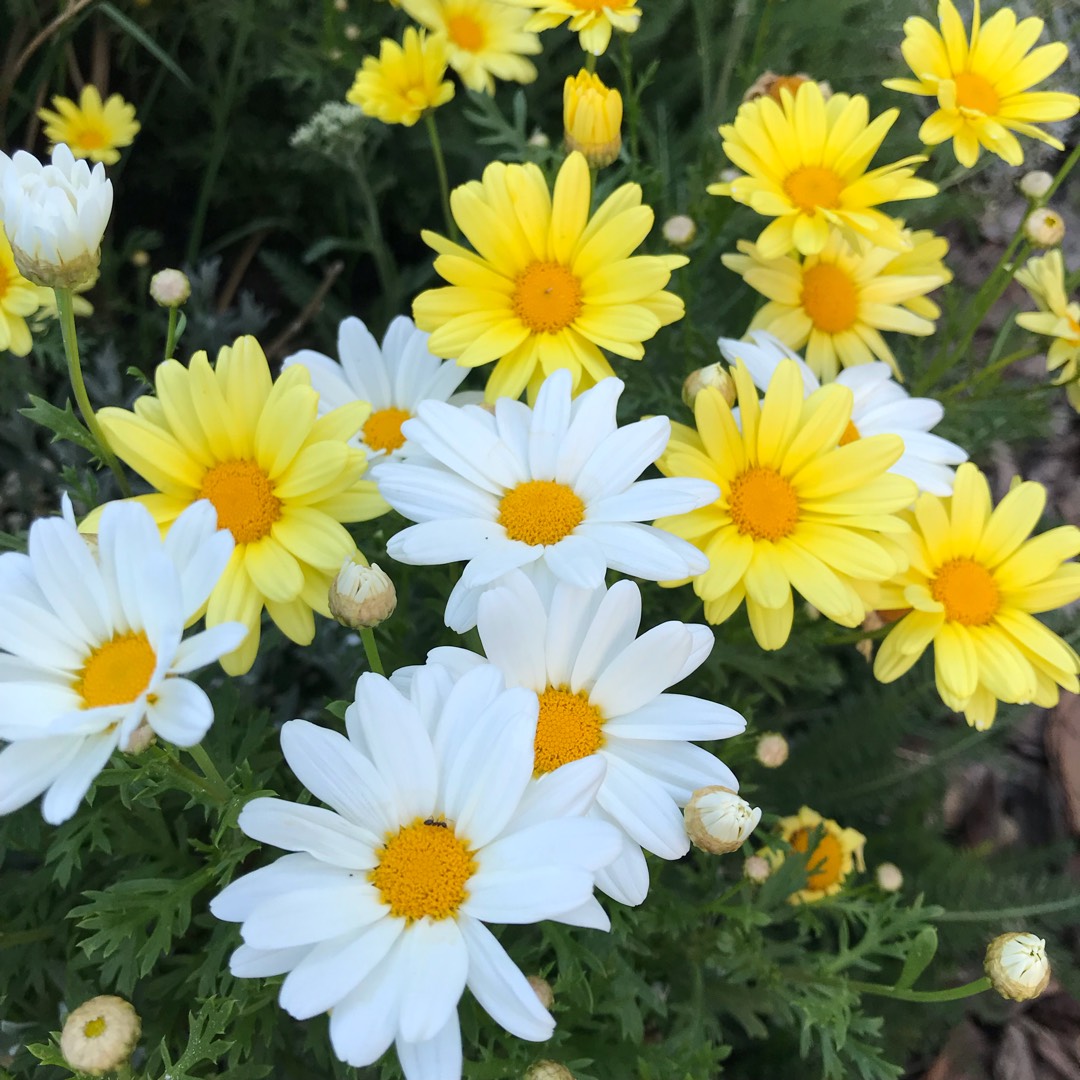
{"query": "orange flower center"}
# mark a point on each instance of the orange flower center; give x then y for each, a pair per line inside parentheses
(423, 870)
(825, 866)
(540, 512)
(851, 434)
(968, 591)
(763, 504)
(812, 187)
(4, 281)
(382, 431)
(244, 499)
(791, 83)
(547, 297)
(117, 672)
(829, 298)
(975, 92)
(568, 728)
(597, 5)
(466, 32)
(91, 138)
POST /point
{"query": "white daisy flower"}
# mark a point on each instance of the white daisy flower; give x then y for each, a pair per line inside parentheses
(882, 407)
(601, 694)
(55, 216)
(93, 648)
(394, 379)
(435, 828)
(554, 484)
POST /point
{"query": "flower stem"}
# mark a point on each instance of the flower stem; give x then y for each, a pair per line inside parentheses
(1026, 911)
(955, 993)
(215, 781)
(65, 308)
(440, 168)
(170, 334)
(371, 650)
(192, 781)
(590, 62)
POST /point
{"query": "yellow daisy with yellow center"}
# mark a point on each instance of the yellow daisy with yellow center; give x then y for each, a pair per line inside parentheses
(548, 286)
(983, 84)
(806, 162)
(592, 20)
(1057, 318)
(837, 302)
(837, 852)
(93, 128)
(405, 81)
(805, 503)
(19, 299)
(281, 479)
(485, 39)
(973, 588)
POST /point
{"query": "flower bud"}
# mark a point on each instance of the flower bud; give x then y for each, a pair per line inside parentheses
(772, 750)
(539, 140)
(680, 230)
(140, 258)
(592, 118)
(1018, 966)
(170, 288)
(543, 991)
(1045, 227)
(140, 739)
(1036, 184)
(757, 869)
(549, 1070)
(100, 1035)
(718, 820)
(714, 375)
(352, 32)
(769, 84)
(889, 877)
(361, 596)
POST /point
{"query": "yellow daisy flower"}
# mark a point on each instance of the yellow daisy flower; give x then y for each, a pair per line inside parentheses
(1057, 317)
(983, 85)
(804, 503)
(92, 129)
(973, 587)
(486, 39)
(281, 480)
(834, 857)
(591, 20)
(548, 285)
(18, 301)
(805, 162)
(837, 302)
(405, 81)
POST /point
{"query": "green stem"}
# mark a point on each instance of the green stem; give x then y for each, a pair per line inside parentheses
(384, 265)
(371, 650)
(998, 365)
(1062, 173)
(955, 993)
(440, 168)
(223, 793)
(65, 309)
(11, 938)
(192, 781)
(590, 62)
(170, 334)
(1051, 907)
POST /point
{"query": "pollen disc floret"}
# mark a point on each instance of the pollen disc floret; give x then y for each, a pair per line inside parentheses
(434, 827)
(554, 486)
(601, 692)
(974, 585)
(547, 286)
(796, 510)
(835, 854)
(91, 650)
(281, 477)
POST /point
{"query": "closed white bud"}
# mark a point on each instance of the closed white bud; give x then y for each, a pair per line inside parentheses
(549, 1070)
(539, 140)
(352, 32)
(542, 989)
(361, 596)
(718, 820)
(140, 739)
(1018, 966)
(100, 1035)
(679, 230)
(170, 288)
(889, 877)
(714, 375)
(757, 869)
(1045, 227)
(772, 750)
(1036, 184)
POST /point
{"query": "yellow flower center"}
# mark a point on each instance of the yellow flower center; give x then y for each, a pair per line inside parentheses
(91, 138)
(975, 92)
(547, 297)
(829, 298)
(466, 32)
(596, 5)
(382, 431)
(826, 862)
(243, 498)
(95, 1028)
(968, 591)
(812, 187)
(763, 504)
(851, 434)
(117, 672)
(423, 870)
(540, 512)
(568, 728)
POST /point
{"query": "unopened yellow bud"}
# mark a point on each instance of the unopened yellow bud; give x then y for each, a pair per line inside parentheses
(1018, 966)
(100, 1035)
(361, 596)
(715, 376)
(592, 118)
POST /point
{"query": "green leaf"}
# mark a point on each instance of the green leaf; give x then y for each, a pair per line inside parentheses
(148, 43)
(923, 948)
(63, 423)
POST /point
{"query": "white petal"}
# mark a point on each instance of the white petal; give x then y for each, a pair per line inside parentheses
(322, 833)
(28, 768)
(592, 421)
(35, 633)
(613, 628)
(497, 558)
(207, 646)
(577, 560)
(512, 624)
(421, 493)
(526, 895)
(308, 916)
(621, 458)
(290, 873)
(681, 767)
(438, 1058)
(569, 791)
(249, 963)
(627, 878)
(435, 961)
(67, 790)
(550, 419)
(363, 1024)
(644, 551)
(182, 713)
(645, 668)
(200, 552)
(465, 445)
(677, 716)
(26, 708)
(644, 809)
(647, 500)
(582, 841)
(570, 615)
(589, 915)
(448, 540)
